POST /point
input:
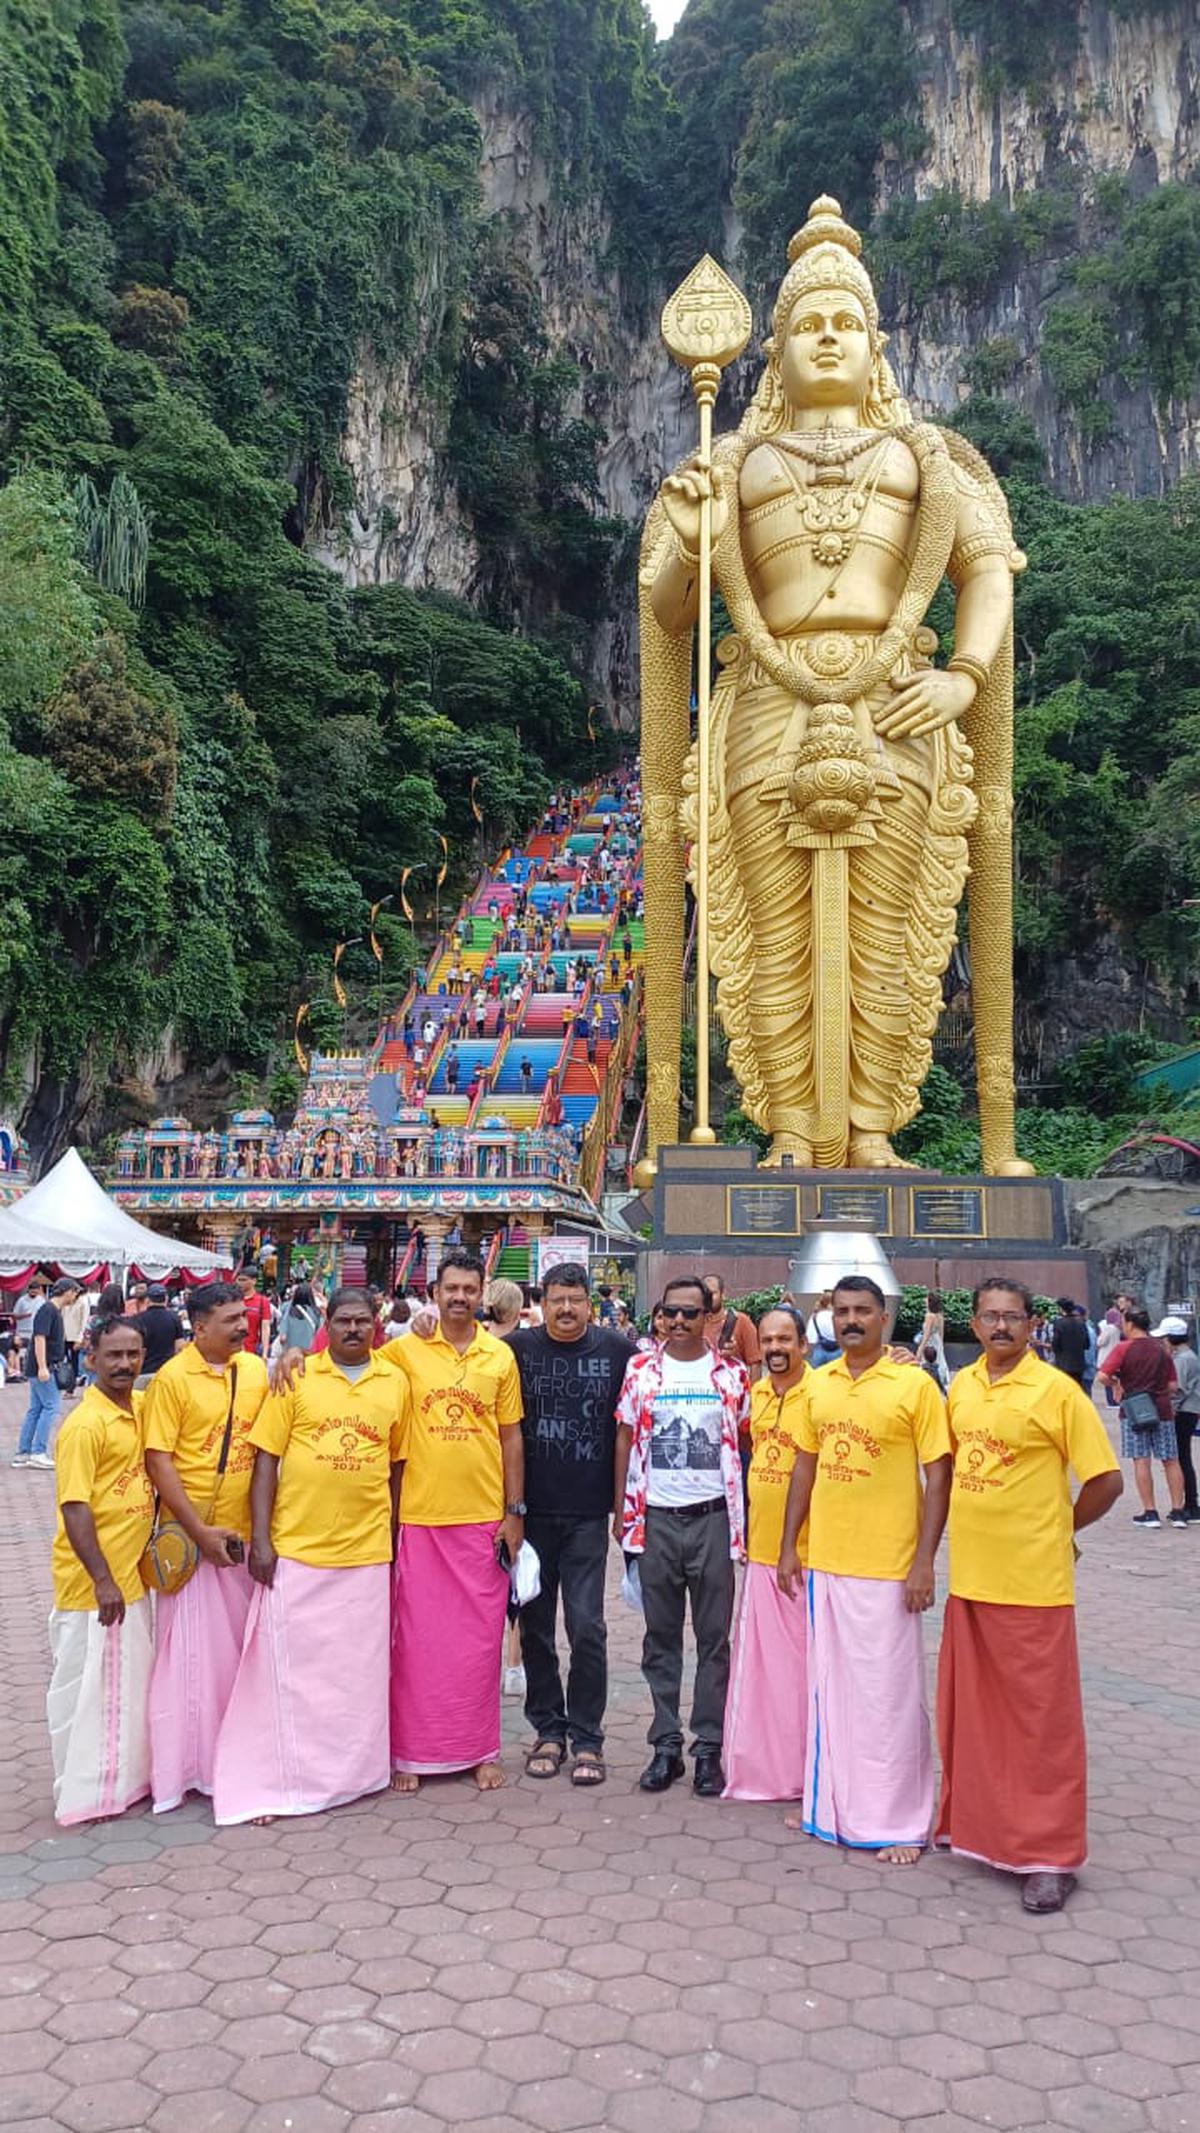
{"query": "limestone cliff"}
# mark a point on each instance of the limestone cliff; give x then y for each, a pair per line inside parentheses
(1127, 105)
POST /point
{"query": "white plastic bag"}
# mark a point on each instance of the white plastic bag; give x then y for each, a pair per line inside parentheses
(631, 1585)
(525, 1576)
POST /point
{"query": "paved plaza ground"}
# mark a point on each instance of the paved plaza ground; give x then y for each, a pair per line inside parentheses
(541, 1959)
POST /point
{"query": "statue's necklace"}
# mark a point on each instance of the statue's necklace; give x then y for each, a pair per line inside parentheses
(830, 509)
(830, 452)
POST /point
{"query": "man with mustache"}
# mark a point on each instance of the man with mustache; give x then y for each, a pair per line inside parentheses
(571, 1377)
(306, 1726)
(1009, 1710)
(100, 1632)
(679, 1480)
(766, 1713)
(872, 1428)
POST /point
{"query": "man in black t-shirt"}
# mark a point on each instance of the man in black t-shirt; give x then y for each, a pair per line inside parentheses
(160, 1328)
(47, 1348)
(571, 1377)
(1068, 1340)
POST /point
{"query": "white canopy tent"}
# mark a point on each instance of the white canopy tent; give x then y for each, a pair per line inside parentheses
(69, 1218)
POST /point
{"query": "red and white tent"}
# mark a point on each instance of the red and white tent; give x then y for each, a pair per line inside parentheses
(68, 1218)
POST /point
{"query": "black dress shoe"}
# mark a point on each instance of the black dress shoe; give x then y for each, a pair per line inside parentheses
(1046, 1892)
(661, 1771)
(709, 1780)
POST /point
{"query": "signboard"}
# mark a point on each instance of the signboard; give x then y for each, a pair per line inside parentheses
(870, 1206)
(559, 1250)
(762, 1210)
(948, 1211)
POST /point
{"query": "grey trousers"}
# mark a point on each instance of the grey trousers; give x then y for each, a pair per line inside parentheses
(687, 1559)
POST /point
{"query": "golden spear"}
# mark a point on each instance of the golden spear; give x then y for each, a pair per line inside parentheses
(705, 326)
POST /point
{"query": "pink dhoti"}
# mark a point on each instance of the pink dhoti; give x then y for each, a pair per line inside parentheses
(449, 1600)
(96, 1710)
(306, 1726)
(869, 1759)
(767, 1709)
(199, 1635)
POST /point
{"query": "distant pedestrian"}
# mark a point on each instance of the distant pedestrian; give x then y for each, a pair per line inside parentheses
(1187, 1404)
(1068, 1340)
(1146, 1375)
(45, 1364)
(526, 1072)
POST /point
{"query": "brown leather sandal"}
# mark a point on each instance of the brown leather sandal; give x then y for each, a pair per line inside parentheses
(545, 1759)
(588, 1769)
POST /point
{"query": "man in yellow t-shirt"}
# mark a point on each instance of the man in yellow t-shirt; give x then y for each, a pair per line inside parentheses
(306, 1726)
(100, 1636)
(766, 1710)
(200, 1408)
(1009, 1707)
(462, 1515)
(871, 1427)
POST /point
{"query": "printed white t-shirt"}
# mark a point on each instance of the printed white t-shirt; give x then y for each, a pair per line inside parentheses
(685, 1436)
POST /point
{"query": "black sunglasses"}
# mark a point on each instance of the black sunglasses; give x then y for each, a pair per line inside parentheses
(683, 1310)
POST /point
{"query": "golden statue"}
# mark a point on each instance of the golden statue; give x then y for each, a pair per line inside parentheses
(852, 784)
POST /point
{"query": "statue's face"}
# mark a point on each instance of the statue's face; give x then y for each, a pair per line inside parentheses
(825, 359)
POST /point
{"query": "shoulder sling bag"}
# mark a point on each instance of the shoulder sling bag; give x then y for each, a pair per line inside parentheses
(170, 1556)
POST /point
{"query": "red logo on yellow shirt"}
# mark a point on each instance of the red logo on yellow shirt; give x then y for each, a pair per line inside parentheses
(454, 1417)
(841, 1438)
(979, 1445)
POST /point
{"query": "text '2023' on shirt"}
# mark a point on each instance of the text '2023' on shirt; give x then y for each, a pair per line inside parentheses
(570, 1390)
(685, 1436)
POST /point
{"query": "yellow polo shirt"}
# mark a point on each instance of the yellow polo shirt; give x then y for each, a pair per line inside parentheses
(871, 1434)
(336, 1441)
(186, 1405)
(1011, 1522)
(774, 1441)
(98, 1461)
(453, 1475)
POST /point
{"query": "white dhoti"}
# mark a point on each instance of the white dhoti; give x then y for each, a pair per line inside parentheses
(97, 1708)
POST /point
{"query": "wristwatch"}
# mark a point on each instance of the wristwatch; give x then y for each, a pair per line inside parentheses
(515, 1510)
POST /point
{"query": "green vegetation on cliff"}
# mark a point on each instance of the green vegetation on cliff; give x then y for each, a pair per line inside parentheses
(214, 213)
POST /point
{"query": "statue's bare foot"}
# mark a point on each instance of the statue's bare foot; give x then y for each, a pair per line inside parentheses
(874, 1151)
(800, 1151)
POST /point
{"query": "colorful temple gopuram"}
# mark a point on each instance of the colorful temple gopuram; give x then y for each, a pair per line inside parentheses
(483, 1110)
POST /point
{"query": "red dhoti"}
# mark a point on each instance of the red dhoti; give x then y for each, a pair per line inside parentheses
(1010, 1732)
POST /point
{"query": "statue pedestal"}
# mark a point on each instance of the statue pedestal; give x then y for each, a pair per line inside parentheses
(718, 1207)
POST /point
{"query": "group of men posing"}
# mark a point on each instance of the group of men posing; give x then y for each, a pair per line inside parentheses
(343, 1627)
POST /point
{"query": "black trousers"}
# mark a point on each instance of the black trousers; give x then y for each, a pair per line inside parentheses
(573, 1553)
(1185, 1430)
(687, 1562)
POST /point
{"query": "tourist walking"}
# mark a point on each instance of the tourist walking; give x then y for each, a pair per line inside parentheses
(872, 1427)
(1069, 1340)
(161, 1330)
(1145, 1373)
(198, 1414)
(100, 1634)
(306, 1725)
(571, 1376)
(766, 1712)
(1009, 1705)
(45, 1365)
(679, 1480)
(1174, 1332)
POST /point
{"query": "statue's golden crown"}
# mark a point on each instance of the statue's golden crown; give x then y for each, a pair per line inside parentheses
(825, 253)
